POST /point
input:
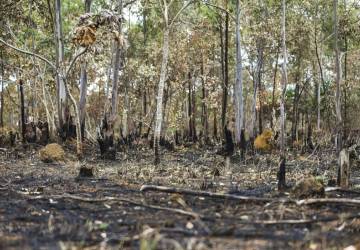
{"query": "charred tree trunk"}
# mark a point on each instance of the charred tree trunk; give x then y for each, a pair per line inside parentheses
(282, 175)
(259, 69)
(2, 91)
(106, 130)
(22, 111)
(105, 139)
(226, 73)
(221, 31)
(82, 102)
(215, 130)
(193, 111)
(204, 114)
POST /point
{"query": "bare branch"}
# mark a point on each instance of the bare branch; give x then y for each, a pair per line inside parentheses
(29, 53)
(74, 60)
(181, 10)
(220, 8)
(129, 3)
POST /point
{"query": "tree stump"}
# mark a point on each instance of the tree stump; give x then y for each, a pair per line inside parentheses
(344, 169)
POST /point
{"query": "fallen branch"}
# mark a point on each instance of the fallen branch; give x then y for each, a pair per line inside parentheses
(116, 199)
(339, 189)
(145, 188)
(342, 201)
(306, 221)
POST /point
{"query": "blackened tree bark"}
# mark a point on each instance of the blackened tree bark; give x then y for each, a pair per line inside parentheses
(22, 111)
(204, 113)
(226, 73)
(2, 90)
(193, 110)
(259, 70)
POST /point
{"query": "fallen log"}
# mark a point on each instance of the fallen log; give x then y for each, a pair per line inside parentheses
(145, 188)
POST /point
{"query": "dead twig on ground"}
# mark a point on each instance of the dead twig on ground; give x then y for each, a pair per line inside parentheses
(341, 201)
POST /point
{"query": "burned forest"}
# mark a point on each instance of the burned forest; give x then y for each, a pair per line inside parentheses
(179, 124)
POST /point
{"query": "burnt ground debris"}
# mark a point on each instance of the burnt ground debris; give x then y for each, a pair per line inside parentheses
(46, 206)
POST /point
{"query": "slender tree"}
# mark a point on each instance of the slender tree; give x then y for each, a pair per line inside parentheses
(163, 71)
(63, 110)
(238, 93)
(283, 80)
(83, 83)
(338, 81)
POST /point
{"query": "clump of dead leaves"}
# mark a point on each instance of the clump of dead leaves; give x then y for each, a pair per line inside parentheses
(262, 142)
(85, 35)
(308, 187)
(52, 153)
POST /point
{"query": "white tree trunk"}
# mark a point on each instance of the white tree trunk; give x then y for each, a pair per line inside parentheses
(160, 94)
(60, 85)
(238, 93)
